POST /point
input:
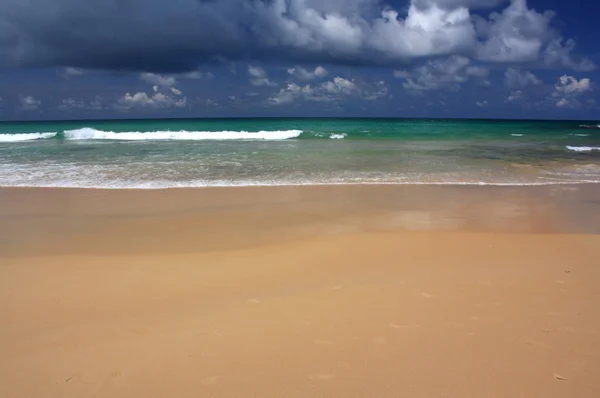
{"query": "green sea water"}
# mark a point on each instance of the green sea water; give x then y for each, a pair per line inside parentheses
(238, 152)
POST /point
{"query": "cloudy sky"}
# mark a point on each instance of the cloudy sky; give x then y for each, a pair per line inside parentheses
(72, 59)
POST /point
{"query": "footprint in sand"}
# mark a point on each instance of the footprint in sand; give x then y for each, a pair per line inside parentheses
(322, 377)
(559, 377)
(379, 340)
(396, 326)
(210, 380)
(337, 287)
(323, 342)
(427, 295)
(537, 344)
(554, 314)
(253, 301)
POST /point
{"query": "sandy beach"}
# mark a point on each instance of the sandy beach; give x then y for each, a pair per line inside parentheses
(333, 291)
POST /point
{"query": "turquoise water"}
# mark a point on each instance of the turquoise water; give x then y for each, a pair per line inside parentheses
(230, 152)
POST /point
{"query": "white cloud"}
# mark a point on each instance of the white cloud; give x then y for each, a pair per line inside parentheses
(305, 74)
(176, 91)
(570, 85)
(473, 4)
(197, 75)
(518, 79)
(563, 103)
(69, 104)
(447, 73)
(29, 103)
(425, 32)
(515, 96)
(336, 89)
(374, 32)
(158, 80)
(259, 77)
(520, 34)
(212, 103)
(339, 85)
(557, 54)
(374, 92)
(481, 104)
(292, 92)
(95, 104)
(320, 71)
(568, 91)
(522, 85)
(516, 35)
(143, 100)
(69, 72)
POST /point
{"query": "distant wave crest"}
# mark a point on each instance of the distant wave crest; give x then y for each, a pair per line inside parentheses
(88, 133)
(583, 148)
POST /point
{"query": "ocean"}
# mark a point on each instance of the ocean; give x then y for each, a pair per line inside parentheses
(153, 154)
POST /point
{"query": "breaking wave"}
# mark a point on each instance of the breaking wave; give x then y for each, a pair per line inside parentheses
(88, 133)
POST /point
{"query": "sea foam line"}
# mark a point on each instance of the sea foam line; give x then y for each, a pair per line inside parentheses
(583, 148)
(157, 185)
(25, 137)
(88, 133)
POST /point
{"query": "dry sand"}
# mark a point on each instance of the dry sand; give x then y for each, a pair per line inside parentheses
(300, 292)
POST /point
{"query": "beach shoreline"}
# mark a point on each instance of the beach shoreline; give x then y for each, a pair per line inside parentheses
(334, 291)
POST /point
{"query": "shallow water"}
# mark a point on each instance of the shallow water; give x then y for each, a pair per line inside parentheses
(239, 152)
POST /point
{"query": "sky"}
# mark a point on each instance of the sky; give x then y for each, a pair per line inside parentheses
(99, 59)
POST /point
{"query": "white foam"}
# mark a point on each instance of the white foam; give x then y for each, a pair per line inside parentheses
(517, 135)
(155, 185)
(583, 148)
(580, 135)
(25, 137)
(88, 133)
(71, 175)
(337, 136)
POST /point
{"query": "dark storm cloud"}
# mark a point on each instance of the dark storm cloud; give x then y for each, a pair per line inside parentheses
(177, 35)
(113, 34)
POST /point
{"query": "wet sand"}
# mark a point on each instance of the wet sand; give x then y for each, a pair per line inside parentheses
(364, 291)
